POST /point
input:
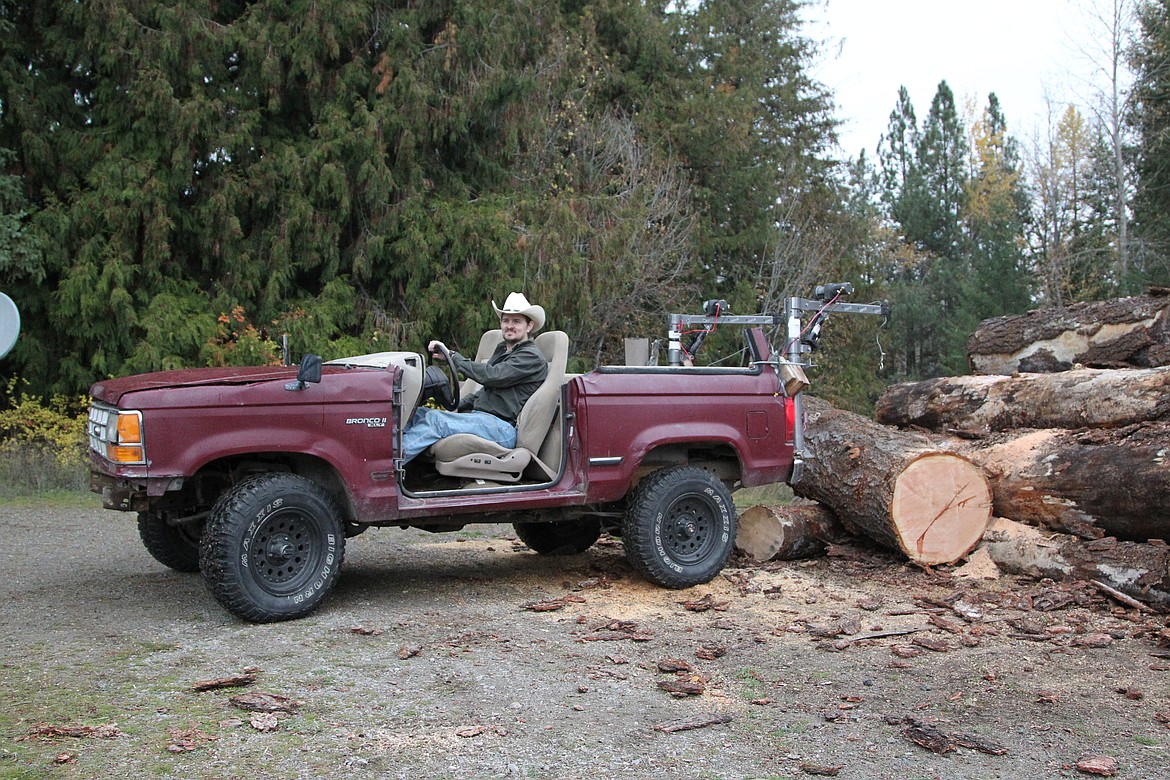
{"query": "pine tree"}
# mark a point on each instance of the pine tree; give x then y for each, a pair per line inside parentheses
(1071, 229)
(923, 171)
(753, 130)
(995, 210)
(901, 178)
(201, 177)
(1150, 116)
(942, 161)
(959, 208)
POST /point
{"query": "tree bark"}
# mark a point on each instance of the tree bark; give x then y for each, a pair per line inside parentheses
(1126, 332)
(897, 488)
(1092, 483)
(1140, 571)
(1085, 398)
(787, 533)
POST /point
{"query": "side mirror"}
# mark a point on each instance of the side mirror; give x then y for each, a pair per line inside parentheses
(309, 372)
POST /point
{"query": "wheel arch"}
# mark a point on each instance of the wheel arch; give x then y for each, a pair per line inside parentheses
(720, 457)
(214, 477)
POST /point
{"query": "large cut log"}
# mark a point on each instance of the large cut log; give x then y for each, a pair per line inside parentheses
(1085, 398)
(1094, 482)
(787, 533)
(896, 487)
(1140, 571)
(1124, 332)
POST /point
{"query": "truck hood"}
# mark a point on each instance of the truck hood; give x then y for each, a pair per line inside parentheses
(111, 390)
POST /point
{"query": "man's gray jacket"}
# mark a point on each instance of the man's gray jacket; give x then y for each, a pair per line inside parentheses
(508, 379)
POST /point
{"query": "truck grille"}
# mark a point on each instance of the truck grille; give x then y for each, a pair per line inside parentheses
(100, 417)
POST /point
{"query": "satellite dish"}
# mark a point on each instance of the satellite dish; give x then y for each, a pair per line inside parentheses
(9, 324)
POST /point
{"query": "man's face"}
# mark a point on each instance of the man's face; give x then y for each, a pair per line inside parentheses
(516, 328)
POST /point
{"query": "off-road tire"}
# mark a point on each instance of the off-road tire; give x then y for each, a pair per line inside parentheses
(679, 527)
(174, 546)
(273, 548)
(568, 537)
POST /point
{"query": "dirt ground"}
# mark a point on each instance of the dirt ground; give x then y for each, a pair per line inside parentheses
(467, 656)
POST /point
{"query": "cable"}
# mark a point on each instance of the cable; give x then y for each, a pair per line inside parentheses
(702, 334)
(812, 322)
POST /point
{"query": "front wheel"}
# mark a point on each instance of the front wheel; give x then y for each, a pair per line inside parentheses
(567, 537)
(174, 546)
(273, 548)
(679, 529)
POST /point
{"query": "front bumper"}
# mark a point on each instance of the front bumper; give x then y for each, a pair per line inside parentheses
(130, 494)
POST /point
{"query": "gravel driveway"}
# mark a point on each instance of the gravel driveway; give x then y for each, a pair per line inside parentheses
(466, 656)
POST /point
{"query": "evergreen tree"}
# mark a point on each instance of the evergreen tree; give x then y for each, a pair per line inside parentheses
(942, 162)
(995, 211)
(959, 208)
(898, 157)
(196, 178)
(1150, 116)
(752, 129)
(924, 170)
(1071, 231)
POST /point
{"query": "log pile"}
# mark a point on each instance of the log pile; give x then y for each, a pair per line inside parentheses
(1077, 449)
(1121, 333)
(900, 489)
(1138, 570)
(1084, 398)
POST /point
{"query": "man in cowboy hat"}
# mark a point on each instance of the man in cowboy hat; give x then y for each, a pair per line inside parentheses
(509, 377)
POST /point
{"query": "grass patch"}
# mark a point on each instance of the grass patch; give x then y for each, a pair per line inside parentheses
(53, 499)
(16, 765)
(777, 494)
(751, 683)
(34, 470)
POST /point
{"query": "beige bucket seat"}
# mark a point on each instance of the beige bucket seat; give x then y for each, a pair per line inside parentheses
(471, 457)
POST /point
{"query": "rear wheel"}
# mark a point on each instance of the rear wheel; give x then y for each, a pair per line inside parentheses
(568, 537)
(174, 546)
(273, 548)
(679, 529)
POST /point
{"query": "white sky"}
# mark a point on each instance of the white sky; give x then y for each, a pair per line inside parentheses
(1019, 49)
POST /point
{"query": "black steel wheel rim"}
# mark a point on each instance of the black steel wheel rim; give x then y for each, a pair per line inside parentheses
(689, 529)
(285, 553)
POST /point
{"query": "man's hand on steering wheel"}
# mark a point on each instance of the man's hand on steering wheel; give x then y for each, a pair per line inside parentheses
(438, 350)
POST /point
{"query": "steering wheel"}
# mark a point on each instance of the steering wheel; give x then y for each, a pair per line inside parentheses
(449, 400)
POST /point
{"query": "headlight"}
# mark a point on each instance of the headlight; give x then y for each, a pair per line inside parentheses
(116, 434)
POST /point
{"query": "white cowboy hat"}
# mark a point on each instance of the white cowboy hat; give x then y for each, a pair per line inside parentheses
(518, 304)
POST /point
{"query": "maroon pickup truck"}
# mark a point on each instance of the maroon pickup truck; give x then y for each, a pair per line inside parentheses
(257, 476)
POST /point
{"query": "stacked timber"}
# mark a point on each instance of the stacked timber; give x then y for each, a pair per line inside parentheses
(899, 488)
(1124, 332)
(1064, 431)
(1081, 452)
(1084, 398)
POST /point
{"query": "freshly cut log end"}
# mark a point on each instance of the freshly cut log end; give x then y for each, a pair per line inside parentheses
(897, 487)
(940, 508)
(787, 533)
